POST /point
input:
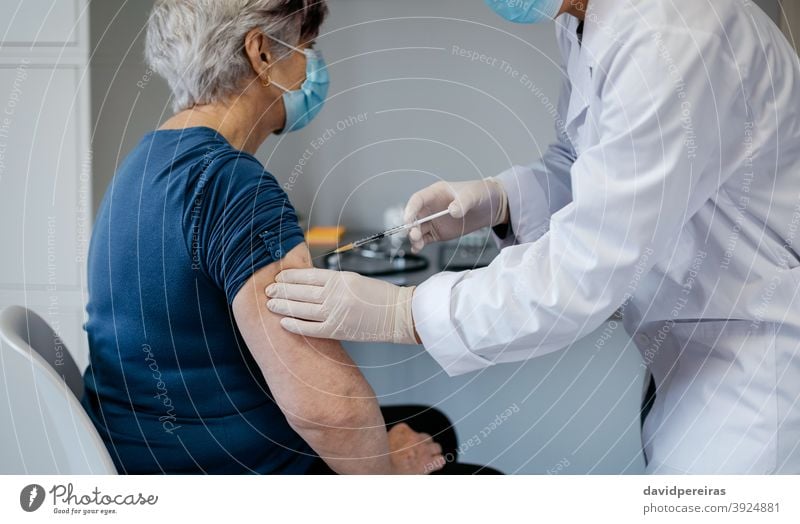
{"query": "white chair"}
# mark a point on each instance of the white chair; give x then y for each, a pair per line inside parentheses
(44, 429)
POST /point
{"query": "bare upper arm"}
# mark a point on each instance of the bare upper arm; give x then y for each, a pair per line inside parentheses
(304, 374)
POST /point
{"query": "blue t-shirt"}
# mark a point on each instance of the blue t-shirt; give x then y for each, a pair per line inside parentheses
(171, 385)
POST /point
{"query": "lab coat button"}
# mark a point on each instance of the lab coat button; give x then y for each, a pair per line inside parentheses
(641, 339)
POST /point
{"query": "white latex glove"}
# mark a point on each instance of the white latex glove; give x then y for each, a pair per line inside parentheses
(343, 306)
(472, 206)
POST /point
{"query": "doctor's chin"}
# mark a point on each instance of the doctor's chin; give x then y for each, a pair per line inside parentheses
(462, 237)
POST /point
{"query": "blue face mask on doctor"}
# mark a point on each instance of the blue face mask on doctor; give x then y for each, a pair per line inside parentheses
(526, 11)
(304, 104)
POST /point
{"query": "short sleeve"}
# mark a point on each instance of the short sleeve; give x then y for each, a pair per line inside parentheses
(244, 222)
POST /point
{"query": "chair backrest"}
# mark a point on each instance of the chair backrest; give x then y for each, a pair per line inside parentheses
(37, 334)
(44, 428)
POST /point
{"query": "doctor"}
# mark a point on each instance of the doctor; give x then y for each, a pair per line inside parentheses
(672, 194)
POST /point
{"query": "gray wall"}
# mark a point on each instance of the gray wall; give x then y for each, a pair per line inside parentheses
(771, 7)
(127, 99)
(430, 113)
(427, 113)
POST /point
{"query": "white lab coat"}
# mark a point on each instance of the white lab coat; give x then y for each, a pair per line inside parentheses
(673, 194)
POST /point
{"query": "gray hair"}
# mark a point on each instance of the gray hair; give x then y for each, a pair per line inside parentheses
(197, 46)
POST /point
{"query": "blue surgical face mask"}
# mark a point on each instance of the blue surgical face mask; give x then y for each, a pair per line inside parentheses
(526, 11)
(304, 104)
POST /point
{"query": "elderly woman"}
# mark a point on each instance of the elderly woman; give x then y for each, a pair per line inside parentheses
(189, 371)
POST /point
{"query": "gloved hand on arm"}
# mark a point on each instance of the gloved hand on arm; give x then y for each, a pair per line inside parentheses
(472, 205)
(321, 303)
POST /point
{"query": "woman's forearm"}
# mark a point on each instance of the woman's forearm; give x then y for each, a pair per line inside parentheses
(350, 437)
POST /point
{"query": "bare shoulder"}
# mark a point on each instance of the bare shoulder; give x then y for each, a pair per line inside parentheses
(252, 293)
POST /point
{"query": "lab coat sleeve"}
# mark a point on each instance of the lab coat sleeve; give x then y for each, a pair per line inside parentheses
(537, 191)
(667, 115)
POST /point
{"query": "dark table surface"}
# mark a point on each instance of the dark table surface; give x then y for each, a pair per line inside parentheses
(432, 253)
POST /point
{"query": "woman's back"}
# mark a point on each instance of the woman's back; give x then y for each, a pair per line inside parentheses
(171, 385)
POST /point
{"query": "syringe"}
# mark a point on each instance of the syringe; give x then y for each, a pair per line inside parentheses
(387, 233)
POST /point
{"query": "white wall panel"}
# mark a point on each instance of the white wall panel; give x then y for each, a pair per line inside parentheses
(45, 161)
(40, 22)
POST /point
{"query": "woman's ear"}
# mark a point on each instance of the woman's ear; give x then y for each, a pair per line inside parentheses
(257, 51)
